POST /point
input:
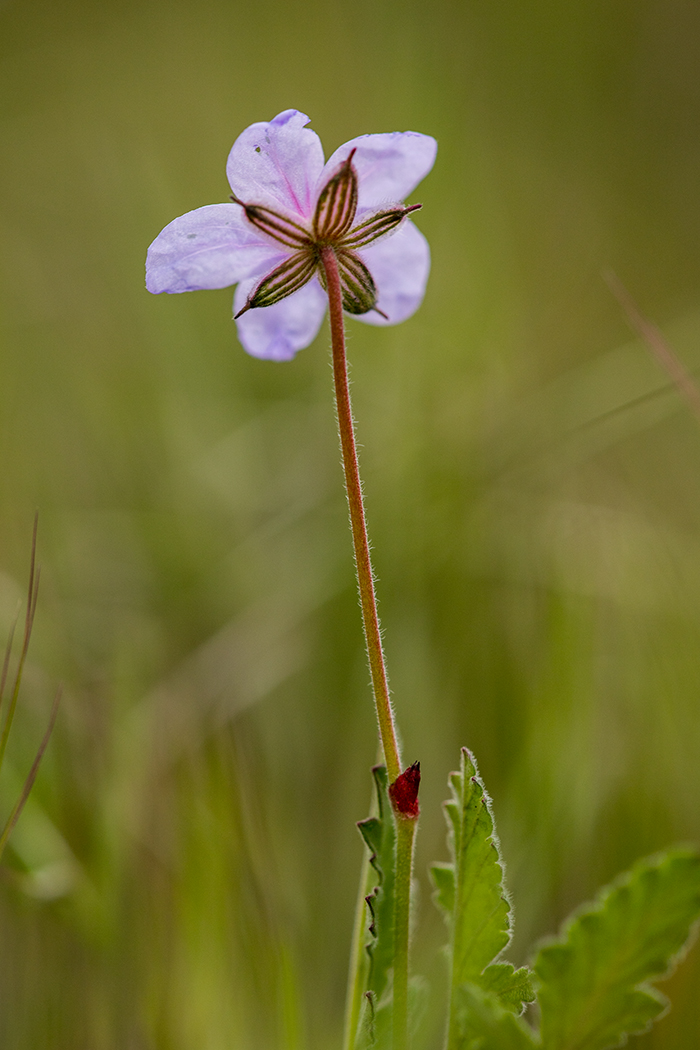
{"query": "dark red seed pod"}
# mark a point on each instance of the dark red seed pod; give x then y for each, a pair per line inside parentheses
(404, 791)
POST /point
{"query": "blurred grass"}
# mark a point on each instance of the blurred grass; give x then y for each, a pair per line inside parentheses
(188, 859)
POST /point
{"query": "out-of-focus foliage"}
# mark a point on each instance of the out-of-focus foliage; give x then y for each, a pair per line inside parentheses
(596, 981)
(184, 873)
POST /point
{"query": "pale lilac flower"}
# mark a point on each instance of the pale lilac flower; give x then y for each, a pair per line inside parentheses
(288, 204)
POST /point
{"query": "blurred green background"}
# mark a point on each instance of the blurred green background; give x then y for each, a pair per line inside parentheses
(185, 873)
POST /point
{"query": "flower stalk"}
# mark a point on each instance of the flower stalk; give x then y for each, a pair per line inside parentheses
(358, 524)
(315, 231)
(405, 799)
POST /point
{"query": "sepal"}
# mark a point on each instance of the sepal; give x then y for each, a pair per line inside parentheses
(357, 283)
(275, 224)
(404, 792)
(377, 225)
(284, 280)
(337, 204)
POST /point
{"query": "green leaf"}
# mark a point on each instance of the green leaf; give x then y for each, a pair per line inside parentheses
(511, 987)
(470, 890)
(443, 876)
(593, 980)
(471, 894)
(380, 835)
(375, 1028)
(483, 1024)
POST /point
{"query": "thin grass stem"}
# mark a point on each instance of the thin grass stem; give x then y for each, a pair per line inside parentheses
(32, 592)
(31, 776)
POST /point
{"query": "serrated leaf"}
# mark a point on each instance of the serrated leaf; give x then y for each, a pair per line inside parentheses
(511, 987)
(375, 1028)
(379, 834)
(470, 890)
(443, 876)
(594, 980)
(482, 1023)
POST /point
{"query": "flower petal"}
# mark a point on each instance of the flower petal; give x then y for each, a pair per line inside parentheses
(277, 332)
(389, 166)
(210, 247)
(277, 164)
(399, 264)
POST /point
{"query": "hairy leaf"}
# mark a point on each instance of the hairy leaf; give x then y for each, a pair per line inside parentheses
(471, 894)
(593, 980)
(375, 1028)
(470, 890)
(380, 835)
(511, 987)
(482, 1023)
(443, 876)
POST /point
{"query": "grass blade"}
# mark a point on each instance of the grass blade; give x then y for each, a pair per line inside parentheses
(31, 776)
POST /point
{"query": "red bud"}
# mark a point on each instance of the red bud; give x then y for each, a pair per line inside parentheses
(404, 791)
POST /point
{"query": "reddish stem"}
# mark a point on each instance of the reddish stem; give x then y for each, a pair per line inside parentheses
(365, 577)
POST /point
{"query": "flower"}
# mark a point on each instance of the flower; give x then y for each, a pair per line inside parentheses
(287, 204)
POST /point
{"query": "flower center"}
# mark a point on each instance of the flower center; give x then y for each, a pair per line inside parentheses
(332, 226)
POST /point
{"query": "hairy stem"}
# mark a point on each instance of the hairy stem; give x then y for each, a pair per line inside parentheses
(405, 834)
(365, 578)
(405, 827)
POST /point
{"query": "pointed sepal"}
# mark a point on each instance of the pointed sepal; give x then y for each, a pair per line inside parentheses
(404, 792)
(357, 284)
(377, 225)
(276, 225)
(337, 204)
(284, 280)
